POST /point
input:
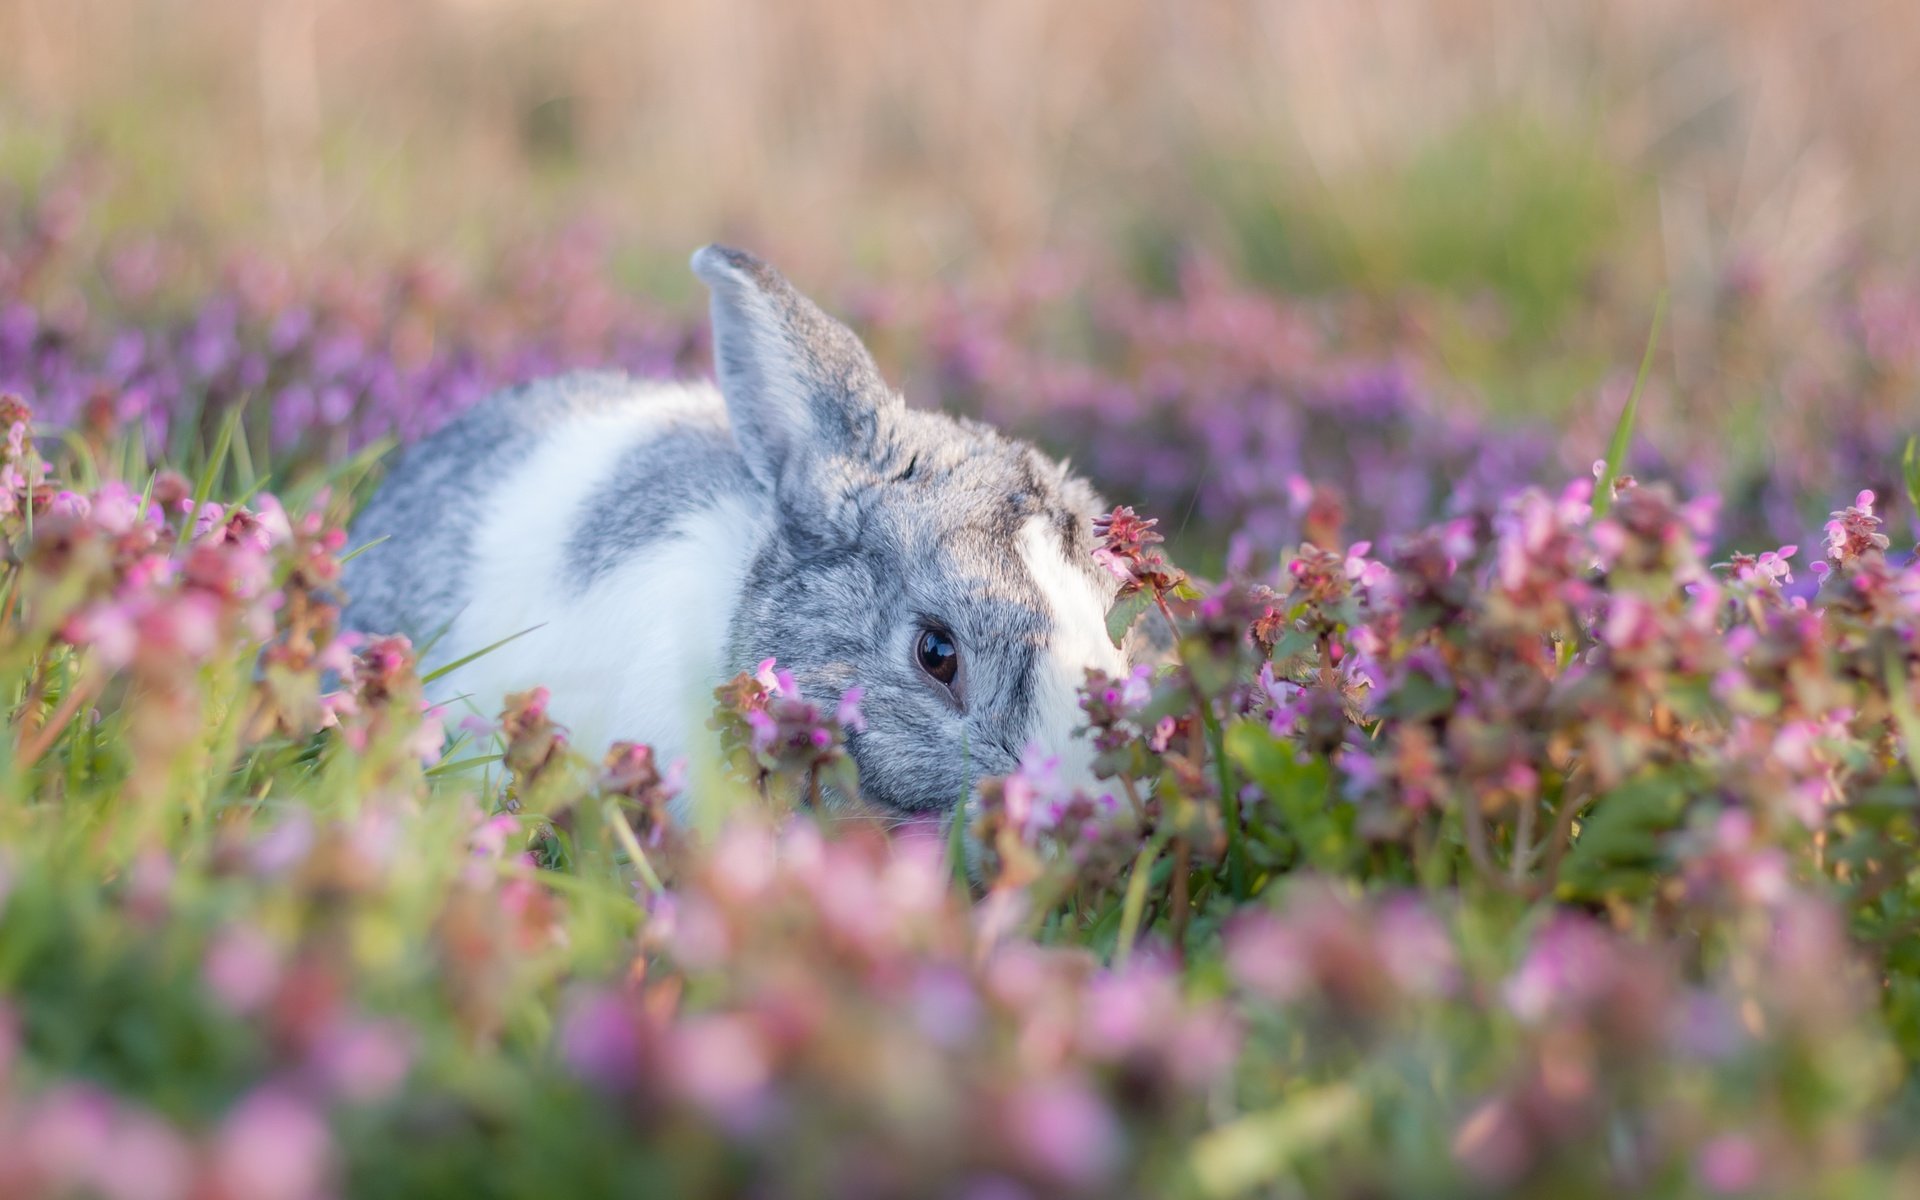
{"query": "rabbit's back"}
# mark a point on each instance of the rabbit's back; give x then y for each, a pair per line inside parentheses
(599, 518)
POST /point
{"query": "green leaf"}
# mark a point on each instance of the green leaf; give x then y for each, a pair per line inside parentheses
(1260, 1147)
(1296, 646)
(1419, 698)
(1124, 613)
(1302, 793)
(1618, 849)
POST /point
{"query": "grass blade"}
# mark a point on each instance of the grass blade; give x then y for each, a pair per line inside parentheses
(203, 487)
(357, 551)
(457, 765)
(1136, 901)
(457, 663)
(1623, 429)
(1910, 475)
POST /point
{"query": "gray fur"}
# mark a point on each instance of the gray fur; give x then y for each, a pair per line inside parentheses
(881, 518)
(415, 582)
(656, 484)
(935, 545)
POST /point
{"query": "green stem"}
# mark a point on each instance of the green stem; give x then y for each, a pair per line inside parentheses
(1136, 901)
(623, 833)
(1229, 806)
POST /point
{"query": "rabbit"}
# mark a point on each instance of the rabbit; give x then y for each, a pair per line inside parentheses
(649, 540)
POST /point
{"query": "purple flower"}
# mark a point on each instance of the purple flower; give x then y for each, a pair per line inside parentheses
(1572, 960)
(600, 1040)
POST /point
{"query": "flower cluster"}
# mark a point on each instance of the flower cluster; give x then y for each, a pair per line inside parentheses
(771, 732)
(872, 994)
(1466, 838)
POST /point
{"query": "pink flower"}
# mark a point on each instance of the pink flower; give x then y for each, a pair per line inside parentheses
(1769, 569)
(117, 508)
(1730, 1164)
(242, 969)
(1415, 948)
(1064, 1131)
(694, 930)
(1632, 623)
(1364, 571)
(1854, 531)
(145, 1159)
(109, 629)
(1266, 957)
(1572, 960)
(363, 1061)
(720, 1064)
(273, 1146)
(1125, 1010)
(764, 730)
(1113, 564)
(491, 838)
(68, 1132)
(429, 738)
(945, 1008)
(777, 682)
(285, 845)
(1034, 790)
(744, 861)
(1738, 862)
(848, 711)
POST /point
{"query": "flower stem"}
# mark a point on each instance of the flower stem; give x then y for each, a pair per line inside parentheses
(1182, 898)
(1136, 900)
(623, 833)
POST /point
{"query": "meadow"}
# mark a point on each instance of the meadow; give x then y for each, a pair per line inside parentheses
(1529, 806)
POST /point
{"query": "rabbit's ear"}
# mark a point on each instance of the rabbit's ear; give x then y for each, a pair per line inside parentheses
(800, 388)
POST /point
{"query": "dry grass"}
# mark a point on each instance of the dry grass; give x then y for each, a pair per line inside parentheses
(916, 137)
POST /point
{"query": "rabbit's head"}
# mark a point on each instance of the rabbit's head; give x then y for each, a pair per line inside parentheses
(943, 568)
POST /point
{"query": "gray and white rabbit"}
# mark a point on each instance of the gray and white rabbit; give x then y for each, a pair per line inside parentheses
(657, 538)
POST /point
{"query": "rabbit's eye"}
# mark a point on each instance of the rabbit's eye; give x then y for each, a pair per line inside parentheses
(938, 656)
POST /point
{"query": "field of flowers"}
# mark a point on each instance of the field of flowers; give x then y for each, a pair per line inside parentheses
(1505, 823)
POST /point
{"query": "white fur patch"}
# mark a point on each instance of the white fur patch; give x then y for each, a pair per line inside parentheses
(637, 654)
(1079, 641)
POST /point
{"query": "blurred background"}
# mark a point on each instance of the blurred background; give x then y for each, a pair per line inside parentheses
(1496, 193)
(1447, 143)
